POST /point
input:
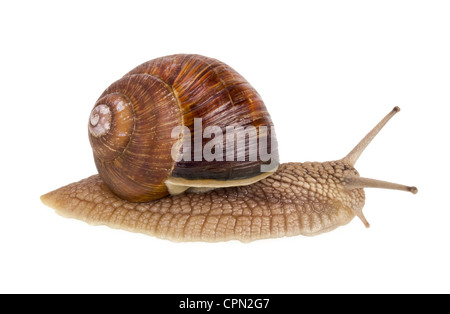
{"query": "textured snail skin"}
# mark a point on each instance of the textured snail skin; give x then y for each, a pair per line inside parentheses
(300, 198)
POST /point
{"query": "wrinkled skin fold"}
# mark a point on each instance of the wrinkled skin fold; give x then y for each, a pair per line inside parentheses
(299, 199)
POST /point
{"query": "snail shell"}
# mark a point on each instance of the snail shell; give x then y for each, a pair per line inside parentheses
(131, 124)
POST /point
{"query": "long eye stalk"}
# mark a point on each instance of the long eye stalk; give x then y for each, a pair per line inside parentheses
(353, 156)
(353, 182)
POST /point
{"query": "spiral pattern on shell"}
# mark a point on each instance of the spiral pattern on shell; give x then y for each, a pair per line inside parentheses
(131, 123)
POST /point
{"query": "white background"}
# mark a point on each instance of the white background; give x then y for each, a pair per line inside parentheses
(327, 71)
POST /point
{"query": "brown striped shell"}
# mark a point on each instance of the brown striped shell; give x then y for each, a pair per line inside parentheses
(130, 127)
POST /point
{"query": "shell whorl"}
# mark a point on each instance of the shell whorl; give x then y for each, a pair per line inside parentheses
(111, 125)
(100, 120)
(132, 119)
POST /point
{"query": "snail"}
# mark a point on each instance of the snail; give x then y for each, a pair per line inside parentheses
(154, 179)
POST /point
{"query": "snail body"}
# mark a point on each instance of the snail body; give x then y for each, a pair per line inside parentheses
(195, 200)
